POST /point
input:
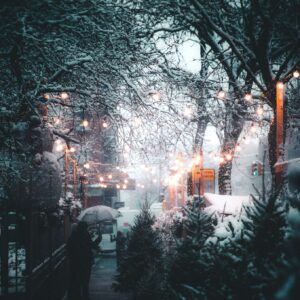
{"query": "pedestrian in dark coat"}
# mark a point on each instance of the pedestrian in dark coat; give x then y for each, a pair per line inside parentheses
(79, 250)
(120, 246)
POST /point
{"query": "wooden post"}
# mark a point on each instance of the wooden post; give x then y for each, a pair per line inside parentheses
(279, 131)
(181, 178)
(74, 177)
(201, 180)
(171, 196)
(193, 180)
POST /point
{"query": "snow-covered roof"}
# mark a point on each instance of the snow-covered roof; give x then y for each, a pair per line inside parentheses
(225, 203)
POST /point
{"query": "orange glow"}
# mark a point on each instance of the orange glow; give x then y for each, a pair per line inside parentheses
(85, 123)
(228, 156)
(280, 85)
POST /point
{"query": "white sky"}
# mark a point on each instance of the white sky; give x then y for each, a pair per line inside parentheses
(190, 56)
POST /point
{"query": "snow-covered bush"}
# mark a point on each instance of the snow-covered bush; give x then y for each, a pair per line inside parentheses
(169, 226)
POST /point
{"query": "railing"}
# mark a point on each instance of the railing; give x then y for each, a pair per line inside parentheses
(32, 257)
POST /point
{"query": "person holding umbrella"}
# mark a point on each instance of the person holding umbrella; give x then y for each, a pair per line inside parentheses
(79, 250)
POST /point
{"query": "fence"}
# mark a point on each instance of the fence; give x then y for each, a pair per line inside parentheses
(33, 261)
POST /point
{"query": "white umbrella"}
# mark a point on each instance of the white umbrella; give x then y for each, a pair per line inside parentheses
(98, 213)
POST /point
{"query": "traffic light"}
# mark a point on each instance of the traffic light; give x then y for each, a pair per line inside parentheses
(256, 169)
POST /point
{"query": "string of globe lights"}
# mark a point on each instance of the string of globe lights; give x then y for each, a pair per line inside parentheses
(222, 158)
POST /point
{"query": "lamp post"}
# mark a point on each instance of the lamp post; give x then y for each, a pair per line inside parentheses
(280, 87)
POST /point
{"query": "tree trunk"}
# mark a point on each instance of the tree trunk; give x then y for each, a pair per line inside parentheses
(199, 137)
(225, 178)
(231, 136)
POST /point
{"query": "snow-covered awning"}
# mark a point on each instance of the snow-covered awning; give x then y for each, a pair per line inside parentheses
(226, 204)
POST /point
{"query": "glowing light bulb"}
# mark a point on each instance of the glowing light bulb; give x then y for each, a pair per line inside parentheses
(58, 142)
(56, 120)
(221, 160)
(85, 123)
(260, 111)
(86, 165)
(238, 148)
(228, 156)
(109, 176)
(221, 94)
(154, 180)
(59, 147)
(296, 74)
(126, 181)
(105, 125)
(64, 96)
(280, 85)
(118, 186)
(142, 186)
(101, 178)
(248, 97)
(72, 149)
(124, 186)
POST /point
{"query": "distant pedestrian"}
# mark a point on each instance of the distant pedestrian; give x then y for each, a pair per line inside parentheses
(120, 246)
(79, 250)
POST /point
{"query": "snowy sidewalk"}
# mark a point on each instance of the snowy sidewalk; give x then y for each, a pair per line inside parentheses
(103, 273)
